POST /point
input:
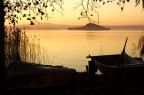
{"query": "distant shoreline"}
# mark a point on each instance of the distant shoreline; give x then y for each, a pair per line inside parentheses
(49, 26)
(126, 27)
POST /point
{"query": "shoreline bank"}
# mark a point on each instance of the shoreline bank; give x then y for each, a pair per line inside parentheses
(85, 85)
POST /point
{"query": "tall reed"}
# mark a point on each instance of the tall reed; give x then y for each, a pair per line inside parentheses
(12, 43)
(134, 51)
(20, 47)
(141, 45)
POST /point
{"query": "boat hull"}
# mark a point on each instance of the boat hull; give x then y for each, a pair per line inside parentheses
(113, 66)
(28, 75)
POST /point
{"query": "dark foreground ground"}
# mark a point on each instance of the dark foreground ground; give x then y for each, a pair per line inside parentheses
(84, 85)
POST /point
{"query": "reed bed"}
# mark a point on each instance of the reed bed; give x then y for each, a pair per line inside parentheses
(141, 45)
(20, 47)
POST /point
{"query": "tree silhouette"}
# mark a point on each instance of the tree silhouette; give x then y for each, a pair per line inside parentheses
(32, 10)
(14, 10)
(89, 7)
(2, 53)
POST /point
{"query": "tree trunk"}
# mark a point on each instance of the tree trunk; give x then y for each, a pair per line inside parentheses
(2, 44)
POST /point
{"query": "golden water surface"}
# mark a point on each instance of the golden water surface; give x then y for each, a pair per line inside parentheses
(70, 48)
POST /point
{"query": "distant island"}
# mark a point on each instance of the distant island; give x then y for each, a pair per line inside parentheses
(89, 26)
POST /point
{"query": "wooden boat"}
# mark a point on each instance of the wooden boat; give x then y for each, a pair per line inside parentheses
(119, 66)
(30, 75)
(115, 67)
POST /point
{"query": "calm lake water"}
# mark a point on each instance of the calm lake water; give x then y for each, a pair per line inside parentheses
(70, 48)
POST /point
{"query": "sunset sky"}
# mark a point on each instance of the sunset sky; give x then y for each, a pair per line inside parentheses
(110, 14)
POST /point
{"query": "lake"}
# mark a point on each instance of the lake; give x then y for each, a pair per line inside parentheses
(70, 47)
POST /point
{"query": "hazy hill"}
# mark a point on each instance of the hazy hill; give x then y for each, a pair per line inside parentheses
(44, 26)
(89, 26)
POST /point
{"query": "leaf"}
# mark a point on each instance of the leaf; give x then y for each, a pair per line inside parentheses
(31, 23)
(37, 2)
(122, 8)
(143, 4)
(33, 18)
(28, 18)
(42, 13)
(39, 10)
(123, 2)
(24, 15)
(43, 4)
(17, 11)
(46, 6)
(25, 8)
(127, 0)
(29, 4)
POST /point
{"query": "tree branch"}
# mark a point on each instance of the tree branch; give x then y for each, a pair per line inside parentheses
(30, 9)
(89, 7)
